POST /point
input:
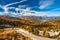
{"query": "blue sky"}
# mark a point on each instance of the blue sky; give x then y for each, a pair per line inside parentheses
(39, 7)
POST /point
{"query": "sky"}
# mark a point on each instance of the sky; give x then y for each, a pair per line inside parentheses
(17, 8)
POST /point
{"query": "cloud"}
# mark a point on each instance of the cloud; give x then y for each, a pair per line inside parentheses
(45, 3)
(1, 13)
(53, 14)
(20, 12)
(28, 12)
(54, 10)
(14, 3)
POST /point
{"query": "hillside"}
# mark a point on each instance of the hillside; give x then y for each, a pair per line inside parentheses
(32, 25)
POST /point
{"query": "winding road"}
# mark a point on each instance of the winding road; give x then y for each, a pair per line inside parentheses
(32, 36)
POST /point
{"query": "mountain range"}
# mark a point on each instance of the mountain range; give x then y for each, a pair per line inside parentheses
(7, 21)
